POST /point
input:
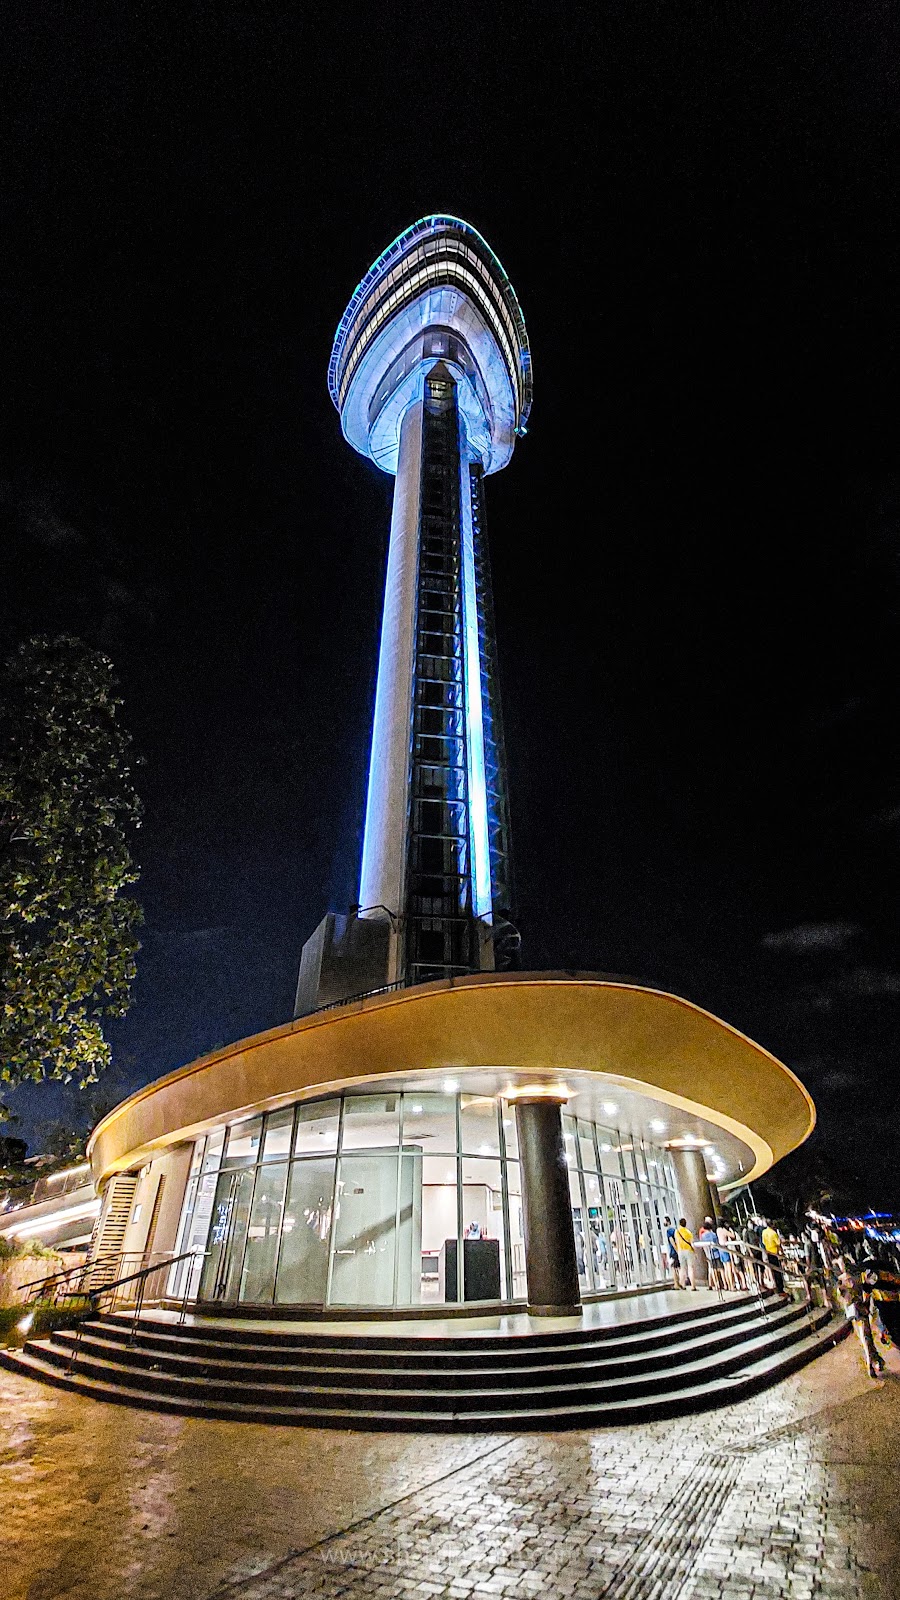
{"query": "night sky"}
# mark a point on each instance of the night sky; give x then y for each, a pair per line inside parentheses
(696, 549)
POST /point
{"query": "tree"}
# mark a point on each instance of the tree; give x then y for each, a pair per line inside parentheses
(68, 806)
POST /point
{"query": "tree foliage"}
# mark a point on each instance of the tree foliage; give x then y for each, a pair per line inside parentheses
(68, 806)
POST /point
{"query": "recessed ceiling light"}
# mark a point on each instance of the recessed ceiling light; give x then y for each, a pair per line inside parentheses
(609, 1109)
(450, 1085)
(657, 1126)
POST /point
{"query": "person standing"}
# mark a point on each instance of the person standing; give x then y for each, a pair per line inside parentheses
(708, 1242)
(671, 1251)
(726, 1262)
(684, 1244)
(772, 1247)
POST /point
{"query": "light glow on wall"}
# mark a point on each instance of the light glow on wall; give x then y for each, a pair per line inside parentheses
(89, 1208)
(478, 807)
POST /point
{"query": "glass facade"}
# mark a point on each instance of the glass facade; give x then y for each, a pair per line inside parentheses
(405, 1199)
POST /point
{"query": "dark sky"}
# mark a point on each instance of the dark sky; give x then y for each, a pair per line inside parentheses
(696, 549)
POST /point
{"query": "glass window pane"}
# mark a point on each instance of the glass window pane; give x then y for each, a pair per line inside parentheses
(317, 1127)
(641, 1230)
(655, 1166)
(277, 1140)
(212, 1156)
(242, 1147)
(608, 1145)
(579, 1223)
(482, 1198)
(364, 1225)
(620, 1234)
(478, 1123)
(586, 1146)
(483, 1242)
(628, 1156)
(597, 1234)
(439, 1226)
(640, 1159)
(510, 1131)
(180, 1270)
(430, 1120)
(570, 1143)
(371, 1121)
(264, 1234)
(519, 1288)
(303, 1265)
(409, 1232)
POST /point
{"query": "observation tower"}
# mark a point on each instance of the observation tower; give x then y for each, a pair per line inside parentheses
(431, 375)
(437, 1132)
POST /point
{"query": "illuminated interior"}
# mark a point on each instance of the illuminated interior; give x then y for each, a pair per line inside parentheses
(406, 1198)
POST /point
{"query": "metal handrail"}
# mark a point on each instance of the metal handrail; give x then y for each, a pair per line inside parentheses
(68, 1272)
(140, 1277)
(364, 994)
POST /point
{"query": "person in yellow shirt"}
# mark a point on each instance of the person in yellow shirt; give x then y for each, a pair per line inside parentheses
(684, 1244)
(772, 1246)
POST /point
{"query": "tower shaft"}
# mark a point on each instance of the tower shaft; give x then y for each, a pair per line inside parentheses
(435, 852)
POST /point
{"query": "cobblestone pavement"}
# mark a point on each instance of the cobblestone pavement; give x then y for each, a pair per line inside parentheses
(792, 1494)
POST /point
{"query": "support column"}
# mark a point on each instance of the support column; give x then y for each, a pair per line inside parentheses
(550, 1264)
(695, 1197)
(384, 840)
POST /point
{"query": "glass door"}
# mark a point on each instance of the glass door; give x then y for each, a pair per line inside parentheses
(221, 1276)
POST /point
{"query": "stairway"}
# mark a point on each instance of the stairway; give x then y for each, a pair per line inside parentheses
(627, 1372)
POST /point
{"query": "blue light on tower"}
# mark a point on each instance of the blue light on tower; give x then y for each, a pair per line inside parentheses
(431, 374)
(475, 733)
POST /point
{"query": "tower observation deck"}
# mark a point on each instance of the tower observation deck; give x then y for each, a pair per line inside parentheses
(431, 375)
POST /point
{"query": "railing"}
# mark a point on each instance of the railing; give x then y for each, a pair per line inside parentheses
(136, 1285)
(752, 1263)
(59, 1286)
(130, 1288)
(365, 994)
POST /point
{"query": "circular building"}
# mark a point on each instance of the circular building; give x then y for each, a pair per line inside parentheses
(444, 1146)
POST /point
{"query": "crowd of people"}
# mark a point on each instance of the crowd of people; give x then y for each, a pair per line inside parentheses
(864, 1281)
(748, 1259)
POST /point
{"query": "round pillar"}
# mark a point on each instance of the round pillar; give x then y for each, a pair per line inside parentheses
(550, 1264)
(695, 1196)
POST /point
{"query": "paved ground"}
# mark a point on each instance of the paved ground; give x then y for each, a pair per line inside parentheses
(793, 1494)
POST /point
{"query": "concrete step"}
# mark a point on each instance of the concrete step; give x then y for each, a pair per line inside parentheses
(382, 1343)
(757, 1372)
(445, 1354)
(595, 1363)
(268, 1389)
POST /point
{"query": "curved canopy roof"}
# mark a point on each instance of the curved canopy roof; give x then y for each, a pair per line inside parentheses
(501, 1031)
